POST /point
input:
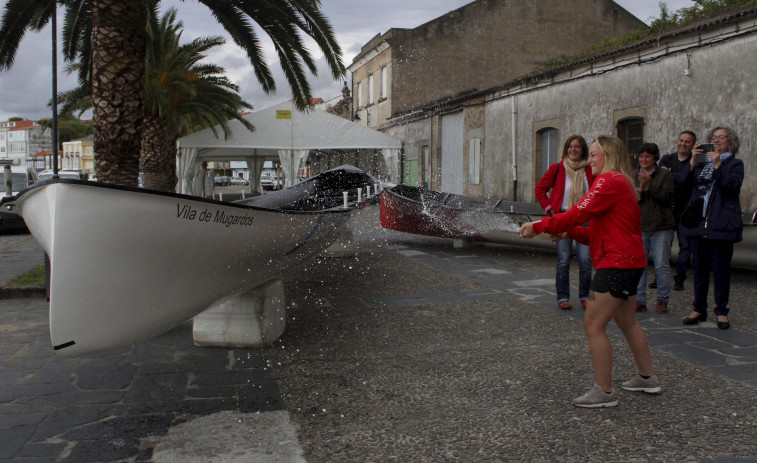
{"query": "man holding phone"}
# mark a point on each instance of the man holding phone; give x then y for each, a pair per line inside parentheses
(675, 162)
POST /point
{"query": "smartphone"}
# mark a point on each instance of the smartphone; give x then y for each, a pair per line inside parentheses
(706, 148)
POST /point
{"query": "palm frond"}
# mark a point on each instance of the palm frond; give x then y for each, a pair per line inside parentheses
(18, 17)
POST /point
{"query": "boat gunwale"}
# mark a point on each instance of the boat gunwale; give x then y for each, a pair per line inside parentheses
(436, 204)
(749, 219)
(112, 186)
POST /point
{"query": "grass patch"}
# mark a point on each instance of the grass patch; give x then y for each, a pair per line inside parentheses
(34, 277)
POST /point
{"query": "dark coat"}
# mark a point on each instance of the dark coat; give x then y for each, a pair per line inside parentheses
(722, 220)
(655, 203)
(679, 197)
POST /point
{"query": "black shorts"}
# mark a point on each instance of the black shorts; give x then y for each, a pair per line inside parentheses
(620, 282)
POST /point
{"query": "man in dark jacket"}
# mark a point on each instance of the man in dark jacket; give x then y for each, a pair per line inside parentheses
(675, 163)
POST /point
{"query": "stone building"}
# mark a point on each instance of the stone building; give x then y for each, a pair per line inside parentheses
(497, 142)
(474, 47)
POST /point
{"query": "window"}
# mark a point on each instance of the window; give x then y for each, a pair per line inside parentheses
(631, 131)
(16, 146)
(360, 94)
(370, 89)
(383, 82)
(474, 161)
(547, 138)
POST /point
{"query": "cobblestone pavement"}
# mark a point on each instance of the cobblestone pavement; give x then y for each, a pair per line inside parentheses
(409, 351)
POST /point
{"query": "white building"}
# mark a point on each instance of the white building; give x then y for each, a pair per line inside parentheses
(22, 140)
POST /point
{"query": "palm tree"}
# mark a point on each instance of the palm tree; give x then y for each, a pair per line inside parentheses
(110, 34)
(181, 97)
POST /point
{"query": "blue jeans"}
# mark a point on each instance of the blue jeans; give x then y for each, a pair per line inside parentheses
(658, 243)
(684, 257)
(562, 277)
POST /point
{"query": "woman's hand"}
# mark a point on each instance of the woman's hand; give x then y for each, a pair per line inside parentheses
(527, 230)
(645, 180)
(715, 157)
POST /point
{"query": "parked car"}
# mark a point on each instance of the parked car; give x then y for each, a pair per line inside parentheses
(222, 180)
(21, 177)
(239, 181)
(68, 174)
(271, 182)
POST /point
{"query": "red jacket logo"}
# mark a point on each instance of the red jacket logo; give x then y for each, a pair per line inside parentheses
(589, 196)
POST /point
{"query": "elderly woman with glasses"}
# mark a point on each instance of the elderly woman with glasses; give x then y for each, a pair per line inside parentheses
(712, 220)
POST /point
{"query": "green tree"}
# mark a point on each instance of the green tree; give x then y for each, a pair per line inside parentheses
(699, 10)
(181, 96)
(70, 127)
(108, 37)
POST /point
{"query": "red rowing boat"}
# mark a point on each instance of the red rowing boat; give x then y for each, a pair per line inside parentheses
(433, 213)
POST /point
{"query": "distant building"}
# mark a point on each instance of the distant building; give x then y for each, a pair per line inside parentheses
(79, 155)
(340, 105)
(474, 47)
(22, 140)
(44, 160)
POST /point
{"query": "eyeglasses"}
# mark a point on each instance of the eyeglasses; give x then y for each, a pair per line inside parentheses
(720, 137)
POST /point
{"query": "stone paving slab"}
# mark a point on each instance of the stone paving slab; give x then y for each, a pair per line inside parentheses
(114, 406)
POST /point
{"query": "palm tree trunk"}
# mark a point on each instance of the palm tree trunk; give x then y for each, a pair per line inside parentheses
(118, 73)
(158, 155)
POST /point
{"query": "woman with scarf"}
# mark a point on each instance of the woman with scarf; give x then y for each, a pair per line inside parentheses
(561, 187)
(712, 220)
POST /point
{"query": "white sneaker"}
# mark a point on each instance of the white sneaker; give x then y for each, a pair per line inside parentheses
(597, 398)
(650, 385)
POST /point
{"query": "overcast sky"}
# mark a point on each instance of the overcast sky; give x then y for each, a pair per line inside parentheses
(26, 88)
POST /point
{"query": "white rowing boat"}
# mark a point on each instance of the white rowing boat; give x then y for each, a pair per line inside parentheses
(127, 264)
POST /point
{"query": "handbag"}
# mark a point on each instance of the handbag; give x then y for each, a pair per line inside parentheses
(692, 215)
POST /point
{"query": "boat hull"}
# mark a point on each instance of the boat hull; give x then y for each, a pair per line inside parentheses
(430, 213)
(129, 264)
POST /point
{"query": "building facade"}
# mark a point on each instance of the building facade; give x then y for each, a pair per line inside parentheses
(21, 140)
(472, 48)
(79, 155)
(497, 142)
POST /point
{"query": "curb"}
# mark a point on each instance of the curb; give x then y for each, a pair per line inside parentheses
(22, 292)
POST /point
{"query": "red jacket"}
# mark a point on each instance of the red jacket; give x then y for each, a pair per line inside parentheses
(554, 179)
(614, 231)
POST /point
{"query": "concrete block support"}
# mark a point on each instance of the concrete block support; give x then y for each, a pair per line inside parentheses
(253, 319)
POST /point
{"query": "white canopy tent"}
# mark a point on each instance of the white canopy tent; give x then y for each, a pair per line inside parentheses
(281, 133)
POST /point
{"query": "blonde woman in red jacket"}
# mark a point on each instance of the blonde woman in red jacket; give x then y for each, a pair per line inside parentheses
(561, 186)
(614, 237)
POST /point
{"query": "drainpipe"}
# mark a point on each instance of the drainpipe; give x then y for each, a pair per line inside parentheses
(512, 137)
